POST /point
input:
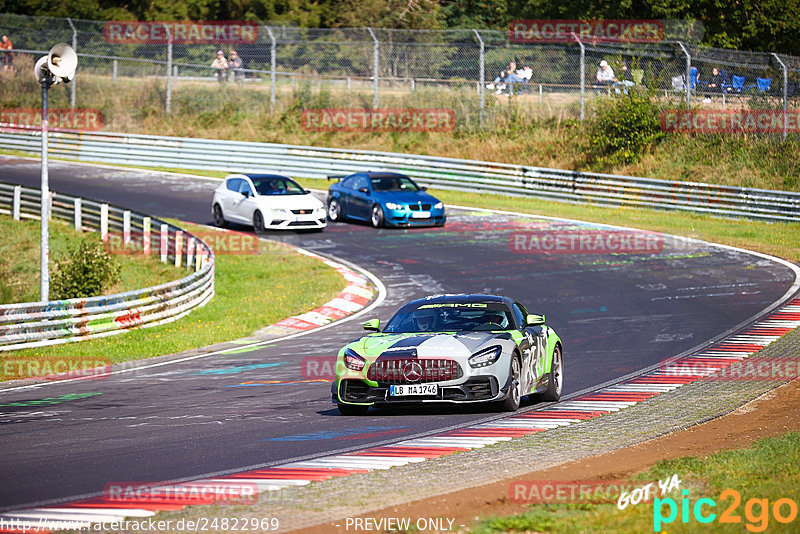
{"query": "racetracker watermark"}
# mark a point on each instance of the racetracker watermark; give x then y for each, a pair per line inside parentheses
(585, 242)
(730, 121)
(613, 30)
(379, 120)
(567, 491)
(84, 119)
(56, 368)
(222, 243)
(187, 32)
(184, 493)
(313, 367)
(721, 366)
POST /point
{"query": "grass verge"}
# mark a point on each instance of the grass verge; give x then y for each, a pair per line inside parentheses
(252, 291)
(761, 475)
(20, 250)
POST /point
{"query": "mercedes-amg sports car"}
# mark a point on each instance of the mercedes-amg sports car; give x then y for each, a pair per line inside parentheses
(451, 349)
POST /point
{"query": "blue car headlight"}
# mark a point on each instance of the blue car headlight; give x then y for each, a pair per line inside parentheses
(438, 206)
(353, 361)
(485, 357)
(393, 206)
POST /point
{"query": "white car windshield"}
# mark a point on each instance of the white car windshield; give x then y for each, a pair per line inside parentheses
(277, 186)
(451, 317)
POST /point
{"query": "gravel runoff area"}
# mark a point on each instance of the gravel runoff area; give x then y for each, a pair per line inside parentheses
(691, 404)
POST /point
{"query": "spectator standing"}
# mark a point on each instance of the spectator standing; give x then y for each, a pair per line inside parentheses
(8, 55)
(236, 66)
(220, 64)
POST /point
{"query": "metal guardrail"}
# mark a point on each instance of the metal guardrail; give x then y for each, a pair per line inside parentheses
(28, 325)
(441, 172)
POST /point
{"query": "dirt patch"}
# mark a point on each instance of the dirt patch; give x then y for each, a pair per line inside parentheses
(772, 414)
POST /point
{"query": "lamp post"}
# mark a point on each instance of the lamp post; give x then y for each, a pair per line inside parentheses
(57, 66)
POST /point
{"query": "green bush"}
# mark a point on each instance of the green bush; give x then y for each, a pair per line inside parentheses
(86, 271)
(623, 128)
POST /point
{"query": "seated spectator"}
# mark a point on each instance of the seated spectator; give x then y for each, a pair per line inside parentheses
(605, 74)
(220, 64)
(236, 66)
(717, 81)
(624, 80)
(502, 78)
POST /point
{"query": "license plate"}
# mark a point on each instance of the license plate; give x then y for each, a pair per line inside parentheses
(414, 389)
(421, 214)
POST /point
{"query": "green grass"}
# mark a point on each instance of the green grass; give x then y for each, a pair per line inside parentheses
(252, 291)
(766, 470)
(20, 251)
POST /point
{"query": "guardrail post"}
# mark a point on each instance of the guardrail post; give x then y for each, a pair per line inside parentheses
(104, 222)
(114, 71)
(16, 202)
(482, 75)
(164, 243)
(78, 215)
(200, 257)
(178, 248)
(74, 47)
(126, 227)
(190, 253)
(146, 236)
(272, 76)
(785, 96)
(375, 65)
(688, 75)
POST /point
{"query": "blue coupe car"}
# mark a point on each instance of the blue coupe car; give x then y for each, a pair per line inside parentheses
(383, 199)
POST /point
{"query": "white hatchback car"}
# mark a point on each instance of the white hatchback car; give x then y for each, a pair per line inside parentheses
(267, 201)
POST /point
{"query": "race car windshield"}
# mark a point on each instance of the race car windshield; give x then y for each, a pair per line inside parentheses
(451, 317)
(277, 186)
(393, 182)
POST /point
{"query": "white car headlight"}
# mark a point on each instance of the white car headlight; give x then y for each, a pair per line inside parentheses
(438, 206)
(485, 357)
(393, 206)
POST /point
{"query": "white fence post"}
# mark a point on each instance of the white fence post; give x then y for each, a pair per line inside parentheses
(104, 222)
(126, 227)
(78, 215)
(15, 209)
(190, 253)
(146, 236)
(200, 258)
(114, 71)
(164, 243)
(178, 248)
(375, 67)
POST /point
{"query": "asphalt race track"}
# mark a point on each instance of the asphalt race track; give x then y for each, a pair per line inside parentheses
(617, 313)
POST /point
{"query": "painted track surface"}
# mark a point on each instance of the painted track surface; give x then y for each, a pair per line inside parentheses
(616, 314)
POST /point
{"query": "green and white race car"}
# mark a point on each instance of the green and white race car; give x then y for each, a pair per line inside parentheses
(451, 348)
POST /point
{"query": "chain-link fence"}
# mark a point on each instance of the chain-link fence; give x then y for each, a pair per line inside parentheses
(291, 68)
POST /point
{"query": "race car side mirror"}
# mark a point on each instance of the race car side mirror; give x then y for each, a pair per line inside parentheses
(373, 325)
(534, 320)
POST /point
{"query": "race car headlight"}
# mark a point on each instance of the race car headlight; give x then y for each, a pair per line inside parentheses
(438, 206)
(353, 361)
(393, 206)
(485, 357)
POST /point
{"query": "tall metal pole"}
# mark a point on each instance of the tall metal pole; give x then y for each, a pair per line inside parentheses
(785, 96)
(75, 47)
(375, 64)
(583, 75)
(688, 75)
(44, 259)
(482, 84)
(169, 68)
(271, 69)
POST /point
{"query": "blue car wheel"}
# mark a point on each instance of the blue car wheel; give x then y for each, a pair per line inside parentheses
(377, 216)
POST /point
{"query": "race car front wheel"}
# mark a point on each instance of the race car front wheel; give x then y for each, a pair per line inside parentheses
(258, 222)
(512, 402)
(352, 409)
(377, 216)
(556, 379)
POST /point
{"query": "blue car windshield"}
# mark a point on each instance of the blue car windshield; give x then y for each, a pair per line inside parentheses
(451, 317)
(393, 182)
(277, 186)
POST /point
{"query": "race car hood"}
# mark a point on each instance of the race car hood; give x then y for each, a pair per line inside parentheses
(426, 345)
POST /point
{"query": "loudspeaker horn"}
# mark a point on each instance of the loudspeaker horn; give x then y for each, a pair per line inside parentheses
(62, 61)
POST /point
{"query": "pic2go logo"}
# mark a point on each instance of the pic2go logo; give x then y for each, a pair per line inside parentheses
(756, 511)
